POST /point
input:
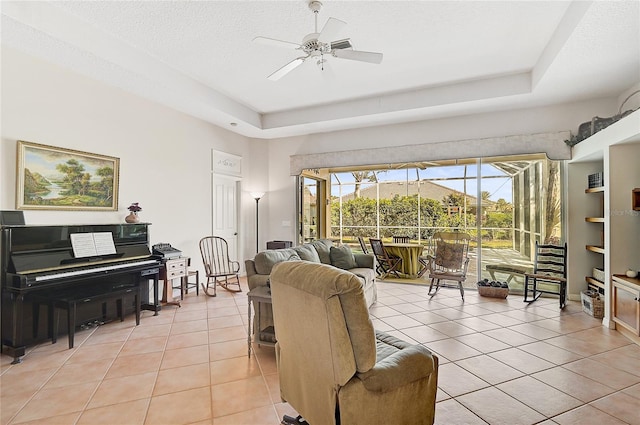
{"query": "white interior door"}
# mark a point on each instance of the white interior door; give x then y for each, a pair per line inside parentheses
(225, 211)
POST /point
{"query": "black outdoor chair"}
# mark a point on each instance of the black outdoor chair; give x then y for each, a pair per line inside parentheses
(387, 264)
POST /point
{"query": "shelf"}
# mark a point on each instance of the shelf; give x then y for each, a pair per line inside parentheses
(594, 189)
(594, 282)
(595, 248)
(594, 219)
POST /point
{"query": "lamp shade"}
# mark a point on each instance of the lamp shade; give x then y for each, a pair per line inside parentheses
(257, 195)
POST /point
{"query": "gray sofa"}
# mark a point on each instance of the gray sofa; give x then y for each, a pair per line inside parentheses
(319, 251)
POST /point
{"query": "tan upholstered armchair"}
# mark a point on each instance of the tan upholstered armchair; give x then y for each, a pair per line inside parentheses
(333, 364)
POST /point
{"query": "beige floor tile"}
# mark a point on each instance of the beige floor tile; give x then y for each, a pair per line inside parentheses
(497, 408)
(483, 343)
(578, 386)
(381, 311)
(184, 407)
(602, 373)
(452, 349)
(131, 412)
(265, 415)
(450, 412)
(427, 317)
(489, 369)
(423, 334)
(266, 357)
(189, 339)
(224, 311)
(238, 396)
(587, 414)
(233, 369)
(184, 315)
(54, 402)
(477, 324)
(578, 346)
(135, 364)
(68, 419)
(185, 356)
(621, 406)
(17, 380)
(273, 384)
(180, 328)
(510, 337)
(144, 345)
(406, 308)
(12, 403)
(550, 353)
(182, 378)
(124, 389)
(619, 359)
(103, 335)
(78, 373)
(633, 391)
(502, 319)
(150, 331)
(400, 321)
(455, 380)
(225, 321)
(92, 353)
(451, 328)
(533, 331)
(521, 360)
(227, 350)
(539, 396)
(451, 314)
(227, 334)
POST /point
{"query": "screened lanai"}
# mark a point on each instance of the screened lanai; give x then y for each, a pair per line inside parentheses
(505, 203)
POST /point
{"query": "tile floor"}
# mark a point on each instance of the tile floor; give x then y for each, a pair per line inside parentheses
(501, 362)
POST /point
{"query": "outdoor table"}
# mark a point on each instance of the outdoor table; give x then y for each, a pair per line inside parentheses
(410, 254)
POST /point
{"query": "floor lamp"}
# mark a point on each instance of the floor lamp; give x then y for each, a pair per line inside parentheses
(257, 196)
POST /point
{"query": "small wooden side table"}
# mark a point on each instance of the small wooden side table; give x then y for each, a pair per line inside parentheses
(174, 268)
(260, 294)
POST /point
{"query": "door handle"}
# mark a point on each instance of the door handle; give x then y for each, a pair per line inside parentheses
(235, 233)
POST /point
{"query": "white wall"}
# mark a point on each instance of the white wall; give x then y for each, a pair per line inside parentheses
(164, 154)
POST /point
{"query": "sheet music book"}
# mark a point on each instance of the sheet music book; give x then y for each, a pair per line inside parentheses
(92, 244)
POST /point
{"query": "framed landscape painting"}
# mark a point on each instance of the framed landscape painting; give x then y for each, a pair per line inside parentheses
(64, 179)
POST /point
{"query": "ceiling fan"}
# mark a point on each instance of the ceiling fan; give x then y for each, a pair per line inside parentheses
(317, 44)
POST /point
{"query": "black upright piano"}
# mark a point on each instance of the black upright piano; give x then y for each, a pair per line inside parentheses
(37, 260)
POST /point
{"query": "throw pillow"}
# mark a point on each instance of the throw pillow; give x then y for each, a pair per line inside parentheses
(322, 247)
(307, 253)
(342, 257)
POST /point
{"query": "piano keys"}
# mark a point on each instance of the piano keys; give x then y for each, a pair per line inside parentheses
(39, 260)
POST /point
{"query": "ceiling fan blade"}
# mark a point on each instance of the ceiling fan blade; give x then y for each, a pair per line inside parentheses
(277, 43)
(341, 44)
(286, 69)
(358, 55)
(331, 30)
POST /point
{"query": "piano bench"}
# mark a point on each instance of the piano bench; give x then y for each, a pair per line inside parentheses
(69, 301)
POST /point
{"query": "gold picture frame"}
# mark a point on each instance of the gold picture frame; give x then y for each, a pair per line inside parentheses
(53, 178)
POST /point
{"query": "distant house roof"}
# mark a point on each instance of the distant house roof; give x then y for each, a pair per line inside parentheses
(428, 190)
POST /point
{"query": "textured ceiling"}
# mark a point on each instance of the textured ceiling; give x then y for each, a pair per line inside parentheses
(440, 58)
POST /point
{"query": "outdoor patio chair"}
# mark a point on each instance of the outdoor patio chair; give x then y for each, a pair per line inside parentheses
(550, 271)
(387, 264)
(401, 239)
(363, 245)
(450, 260)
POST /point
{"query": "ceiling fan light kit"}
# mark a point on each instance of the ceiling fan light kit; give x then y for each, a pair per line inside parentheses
(317, 44)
